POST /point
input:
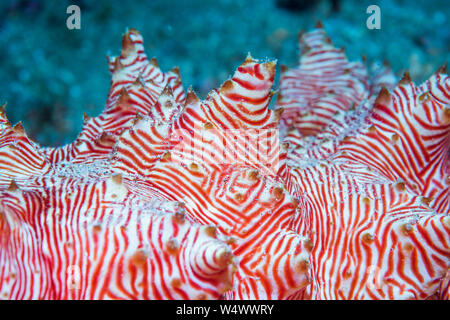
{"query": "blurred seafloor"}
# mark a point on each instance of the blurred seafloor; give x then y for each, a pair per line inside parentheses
(49, 75)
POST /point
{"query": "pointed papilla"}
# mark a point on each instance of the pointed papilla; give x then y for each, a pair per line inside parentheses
(12, 186)
(191, 97)
(154, 62)
(127, 45)
(226, 86)
(384, 97)
(406, 78)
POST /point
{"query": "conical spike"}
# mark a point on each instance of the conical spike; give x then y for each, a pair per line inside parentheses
(279, 97)
(139, 81)
(176, 70)
(211, 231)
(300, 35)
(134, 31)
(167, 91)
(406, 78)
(278, 113)
(118, 66)
(117, 178)
(384, 97)
(127, 45)
(270, 66)
(124, 96)
(443, 68)
(272, 93)
(224, 258)
(191, 97)
(19, 129)
(305, 50)
(2, 110)
(86, 118)
(319, 25)
(12, 186)
(226, 86)
(105, 138)
(248, 59)
(138, 118)
(154, 62)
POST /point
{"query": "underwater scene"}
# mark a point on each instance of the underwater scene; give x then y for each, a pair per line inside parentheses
(233, 150)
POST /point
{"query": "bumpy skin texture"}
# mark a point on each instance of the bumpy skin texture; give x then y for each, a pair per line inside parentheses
(90, 205)
(164, 196)
(236, 195)
(72, 229)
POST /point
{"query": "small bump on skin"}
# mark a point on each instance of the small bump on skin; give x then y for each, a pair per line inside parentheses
(424, 97)
(253, 176)
(303, 266)
(117, 179)
(226, 86)
(372, 129)
(12, 186)
(347, 274)
(230, 240)
(278, 193)
(447, 113)
(179, 217)
(384, 97)
(175, 283)
(278, 113)
(208, 125)
(308, 244)
(211, 231)
(400, 186)
(407, 229)
(406, 79)
(154, 62)
(168, 104)
(19, 129)
(443, 68)
(140, 258)
(395, 137)
(426, 200)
